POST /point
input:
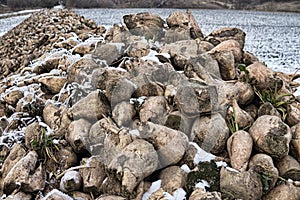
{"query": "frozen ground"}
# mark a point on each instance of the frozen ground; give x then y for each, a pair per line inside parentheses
(8, 23)
(273, 37)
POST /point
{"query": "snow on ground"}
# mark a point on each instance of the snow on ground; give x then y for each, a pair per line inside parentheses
(19, 13)
(203, 184)
(201, 155)
(178, 194)
(154, 187)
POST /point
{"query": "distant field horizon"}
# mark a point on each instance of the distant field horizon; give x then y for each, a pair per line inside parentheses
(284, 6)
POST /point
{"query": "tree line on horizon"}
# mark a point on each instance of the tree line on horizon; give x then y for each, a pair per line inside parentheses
(117, 3)
(80, 3)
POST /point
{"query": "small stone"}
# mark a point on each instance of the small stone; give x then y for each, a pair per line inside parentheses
(226, 64)
(262, 77)
(117, 34)
(108, 52)
(12, 97)
(93, 107)
(135, 162)
(81, 196)
(295, 142)
(208, 62)
(164, 140)
(2, 109)
(185, 21)
(271, 136)
(194, 98)
(293, 114)
(284, 192)
(246, 93)
(199, 194)
(4, 151)
(144, 24)
(189, 157)
(19, 196)
(3, 124)
(103, 77)
(48, 64)
(226, 94)
(210, 133)
(93, 175)
(51, 115)
(224, 34)
(186, 48)
(229, 45)
(177, 34)
(148, 89)
(263, 165)
(138, 49)
(239, 147)
(249, 58)
(155, 110)
(78, 133)
(123, 113)
(242, 118)
(81, 70)
(119, 90)
(97, 136)
(289, 168)
(52, 84)
(178, 19)
(67, 157)
(25, 175)
(33, 136)
(268, 109)
(83, 49)
(110, 197)
(71, 181)
(16, 153)
(205, 46)
(172, 178)
(241, 185)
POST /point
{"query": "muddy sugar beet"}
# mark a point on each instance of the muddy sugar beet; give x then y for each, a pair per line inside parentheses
(152, 109)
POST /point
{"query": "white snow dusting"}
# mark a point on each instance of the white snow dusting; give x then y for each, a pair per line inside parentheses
(139, 100)
(154, 187)
(151, 57)
(201, 155)
(232, 169)
(178, 194)
(56, 192)
(185, 168)
(134, 132)
(23, 12)
(203, 184)
(49, 131)
(221, 163)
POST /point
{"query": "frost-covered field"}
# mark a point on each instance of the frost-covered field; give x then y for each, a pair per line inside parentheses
(273, 37)
(8, 23)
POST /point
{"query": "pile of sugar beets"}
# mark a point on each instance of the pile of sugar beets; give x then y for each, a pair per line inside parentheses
(151, 109)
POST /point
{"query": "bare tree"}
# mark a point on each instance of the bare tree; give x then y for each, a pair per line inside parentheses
(32, 3)
(90, 3)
